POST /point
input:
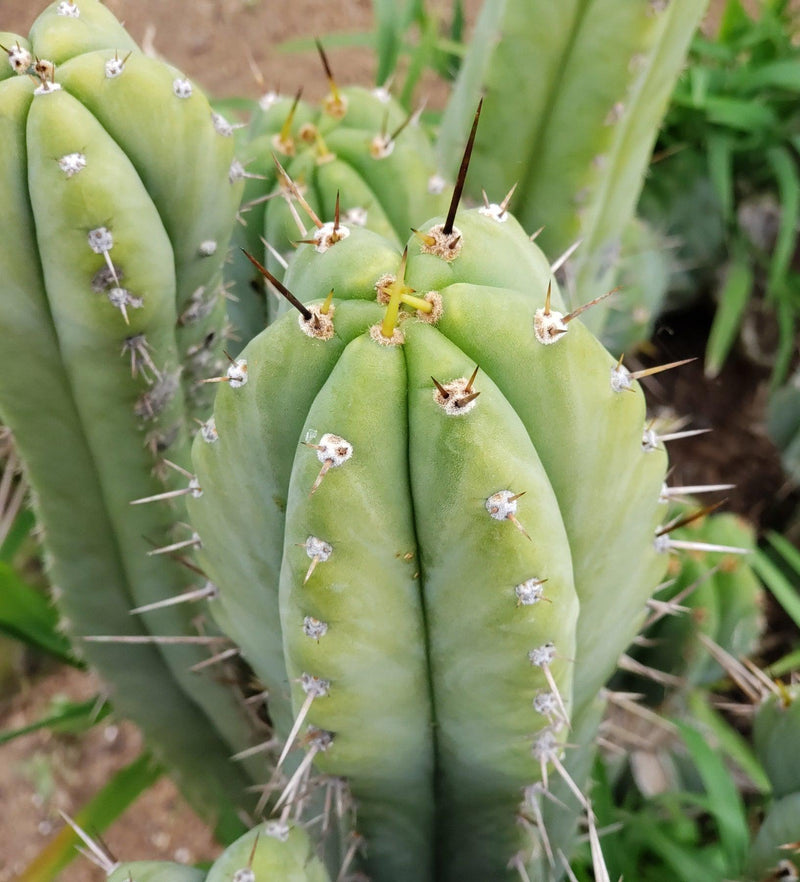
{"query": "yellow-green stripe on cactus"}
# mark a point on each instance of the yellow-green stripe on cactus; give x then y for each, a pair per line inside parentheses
(117, 213)
(433, 521)
(359, 145)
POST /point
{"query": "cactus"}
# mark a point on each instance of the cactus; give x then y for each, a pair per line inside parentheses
(272, 850)
(360, 146)
(575, 133)
(118, 209)
(434, 521)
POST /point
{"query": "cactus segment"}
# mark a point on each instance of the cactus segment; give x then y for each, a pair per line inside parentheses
(440, 543)
(473, 559)
(59, 34)
(584, 125)
(235, 551)
(155, 871)
(376, 666)
(776, 725)
(91, 388)
(272, 850)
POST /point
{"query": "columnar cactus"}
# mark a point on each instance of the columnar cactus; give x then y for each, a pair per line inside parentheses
(358, 146)
(117, 213)
(432, 508)
(575, 96)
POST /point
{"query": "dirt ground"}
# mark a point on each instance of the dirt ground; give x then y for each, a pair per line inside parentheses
(229, 47)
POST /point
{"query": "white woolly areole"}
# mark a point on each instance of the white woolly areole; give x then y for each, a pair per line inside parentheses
(649, 440)
(72, 163)
(70, 10)
(268, 99)
(545, 746)
(315, 686)
(357, 216)
(114, 67)
(333, 449)
(445, 245)
(548, 327)
(208, 431)
(276, 830)
(543, 655)
(376, 334)
(620, 378)
(452, 400)
(221, 125)
(662, 543)
(314, 628)
(122, 297)
(320, 325)
(495, 212)
(318, 549)
(328, 235)
(46, 88)
(381, 146)
(436, 184)
(244, 874)
(530, 591)
(237, 373)
(236, 171)
(319, 739)
(501, 505)
(545, 703)
(100, 240)
(195, 489)
(182, 88)
(207, 248)
(382, 94)
(19, 59)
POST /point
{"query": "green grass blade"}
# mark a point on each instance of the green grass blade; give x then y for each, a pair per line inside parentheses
(98, 814)
(20, 529)
(784, 591)
(720, 167)
(730, 741)
(65, 716)
(27, 615)
(733, 299)
(724, 801)
(388, 37)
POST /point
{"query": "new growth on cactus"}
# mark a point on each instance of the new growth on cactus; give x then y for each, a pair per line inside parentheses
(358, 158)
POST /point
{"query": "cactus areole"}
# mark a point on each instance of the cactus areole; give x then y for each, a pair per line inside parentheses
(431, 517)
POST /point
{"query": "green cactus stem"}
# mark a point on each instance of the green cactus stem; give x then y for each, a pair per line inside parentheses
(106, 242)
(401, 510)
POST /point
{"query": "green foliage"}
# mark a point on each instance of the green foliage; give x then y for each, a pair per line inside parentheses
(735, 113)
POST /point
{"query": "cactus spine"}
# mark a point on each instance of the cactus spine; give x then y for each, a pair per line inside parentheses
(111, 266)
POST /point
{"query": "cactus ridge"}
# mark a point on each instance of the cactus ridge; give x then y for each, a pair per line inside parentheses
(422, 539)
